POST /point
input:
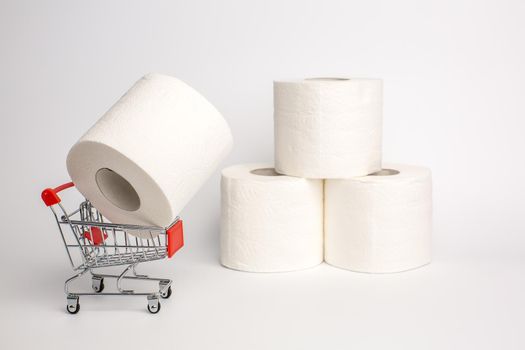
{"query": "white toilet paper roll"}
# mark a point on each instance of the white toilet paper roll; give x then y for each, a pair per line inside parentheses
(149, 154)
(270, 222)
(328, 127)
(381, 222)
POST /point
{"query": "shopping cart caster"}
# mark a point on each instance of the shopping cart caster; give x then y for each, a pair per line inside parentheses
(73, 305)
(153, 304)
(97, 283)
(164, 293)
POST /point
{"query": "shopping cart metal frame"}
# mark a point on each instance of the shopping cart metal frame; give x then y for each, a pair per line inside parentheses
(96, 244)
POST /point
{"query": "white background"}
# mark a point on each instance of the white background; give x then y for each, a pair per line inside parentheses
(454, 91)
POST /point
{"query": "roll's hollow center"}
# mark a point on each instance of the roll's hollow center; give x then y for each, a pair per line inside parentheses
(385, 172)
(117, 190)
(265, 172)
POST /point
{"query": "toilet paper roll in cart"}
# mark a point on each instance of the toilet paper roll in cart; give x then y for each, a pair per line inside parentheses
(150, 153)
(137, 167)
(92, 243)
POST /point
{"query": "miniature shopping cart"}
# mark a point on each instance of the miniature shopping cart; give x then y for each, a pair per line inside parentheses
(96, 244)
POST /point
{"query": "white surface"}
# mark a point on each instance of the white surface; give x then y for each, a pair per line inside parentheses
(145, 159)
(270, 222)
(453, 78)
(328, 128)
(379, 223)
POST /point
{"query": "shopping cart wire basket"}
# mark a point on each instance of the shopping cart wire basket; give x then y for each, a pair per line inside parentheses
(94, 243)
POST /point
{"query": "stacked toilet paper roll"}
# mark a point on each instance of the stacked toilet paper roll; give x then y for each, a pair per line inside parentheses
(149, 154)
(270, 222)
(328, 127)
(375, 220)
(381, 222)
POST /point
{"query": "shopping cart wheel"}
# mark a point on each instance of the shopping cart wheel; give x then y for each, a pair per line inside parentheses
(165, 293)
(73, 306)
(97, 283)
(153, 304)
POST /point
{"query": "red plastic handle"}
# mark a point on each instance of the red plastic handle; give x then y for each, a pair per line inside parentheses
(175, 238)
(50, 195)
